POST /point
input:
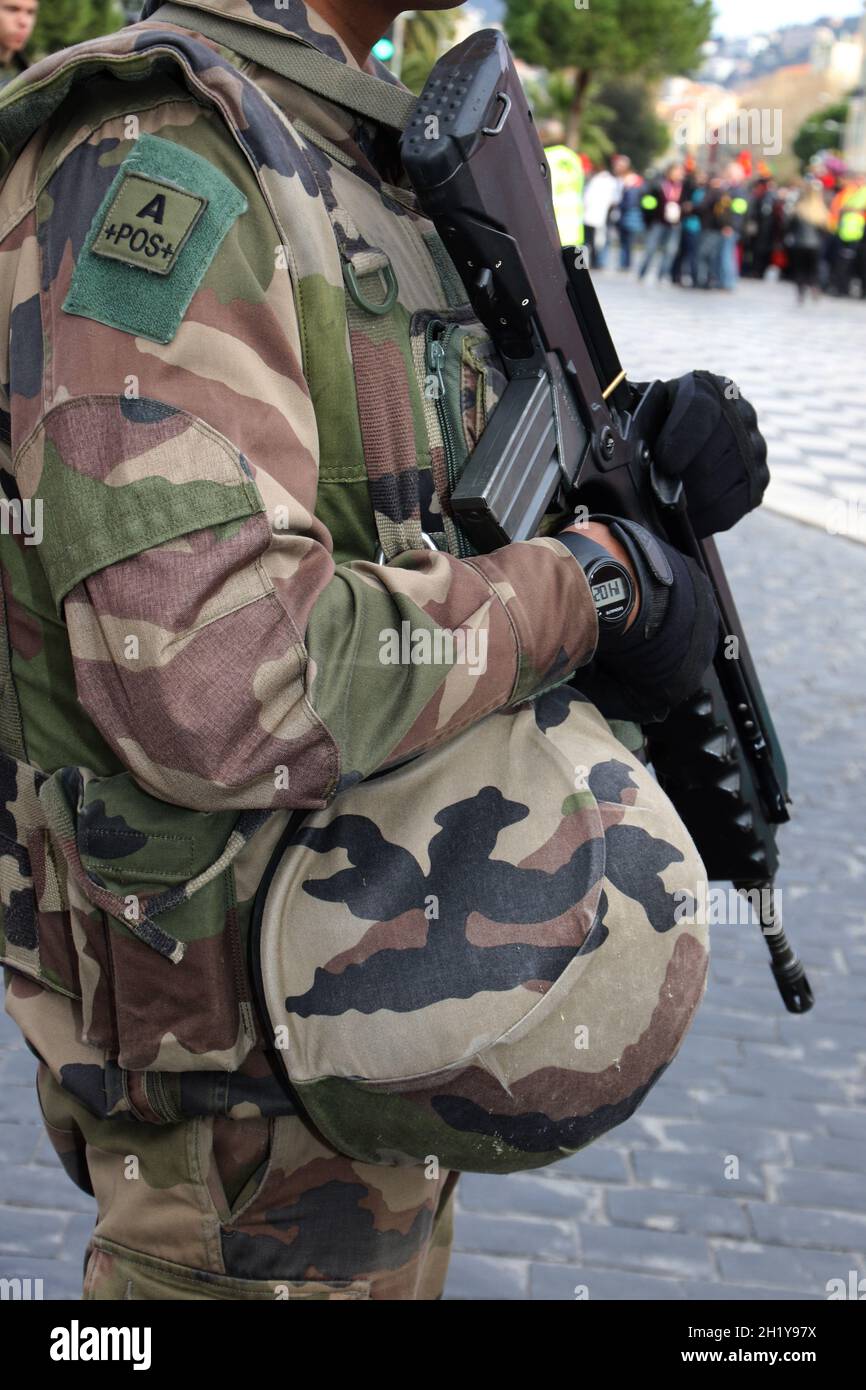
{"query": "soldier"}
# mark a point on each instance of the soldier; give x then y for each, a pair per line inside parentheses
(241, 375)
(17, 21)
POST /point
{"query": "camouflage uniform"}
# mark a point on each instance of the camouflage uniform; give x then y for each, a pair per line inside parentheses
(222, 442)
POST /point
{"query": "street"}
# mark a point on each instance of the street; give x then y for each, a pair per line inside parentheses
(657, 1210)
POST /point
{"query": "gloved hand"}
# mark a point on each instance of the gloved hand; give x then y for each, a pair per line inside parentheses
(661, 659)
(711, 440)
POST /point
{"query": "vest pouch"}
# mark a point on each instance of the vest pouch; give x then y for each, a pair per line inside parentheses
(155, 926)
(463, 382)
(35, 923)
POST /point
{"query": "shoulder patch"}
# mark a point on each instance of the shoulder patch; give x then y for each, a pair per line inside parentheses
(152, 240)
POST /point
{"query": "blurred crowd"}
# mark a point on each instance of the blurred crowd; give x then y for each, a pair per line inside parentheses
(704, 228)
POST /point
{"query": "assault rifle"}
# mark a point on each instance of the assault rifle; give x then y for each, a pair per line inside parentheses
(570, 431)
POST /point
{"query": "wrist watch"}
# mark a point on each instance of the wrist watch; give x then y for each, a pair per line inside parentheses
(611, 585)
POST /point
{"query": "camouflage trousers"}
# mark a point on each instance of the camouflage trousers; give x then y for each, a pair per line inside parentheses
(248, 1208)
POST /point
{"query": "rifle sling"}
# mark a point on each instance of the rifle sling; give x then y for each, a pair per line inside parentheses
(300, 62)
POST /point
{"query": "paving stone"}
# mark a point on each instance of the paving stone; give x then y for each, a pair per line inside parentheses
(849, 1124)
(593, 1164)
(526, 1194)
(818, 1188)
(698, 1173)
(33, 1185)
(808, 1270)
(790, 1226)
(719, 1023)
(480, 1277)
(18, 1105)
(76, 1236)
(644, 1251)
(61, 1282)
(667, 1099)
(501, 1235)
(752, 1293)
(555, 1282)
(787, 1113)
(18, 1143)
(849, 1154)
(19, 1069)
(677, 1211)
(31, 1233)
(733, 1137)
(796, 1083)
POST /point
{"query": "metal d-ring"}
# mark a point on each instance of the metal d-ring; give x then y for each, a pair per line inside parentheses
(503, 117)
(391, 286)
(430, 545)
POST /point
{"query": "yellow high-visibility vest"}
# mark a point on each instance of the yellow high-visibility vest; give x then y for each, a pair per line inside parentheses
(567, 180)
(852, 218)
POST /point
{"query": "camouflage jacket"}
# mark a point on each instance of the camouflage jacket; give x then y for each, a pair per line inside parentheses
(237, 362)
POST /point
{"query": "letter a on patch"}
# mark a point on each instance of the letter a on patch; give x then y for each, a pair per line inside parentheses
(153, 239)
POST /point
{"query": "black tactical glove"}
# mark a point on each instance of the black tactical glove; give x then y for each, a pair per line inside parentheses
(661, 660)
(711, 440)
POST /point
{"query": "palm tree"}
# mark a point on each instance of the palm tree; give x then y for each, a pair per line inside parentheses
(429, 34)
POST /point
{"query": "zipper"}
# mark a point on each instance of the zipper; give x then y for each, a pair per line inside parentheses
(438, 338)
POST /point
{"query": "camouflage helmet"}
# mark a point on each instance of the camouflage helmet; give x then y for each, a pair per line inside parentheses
(488, 975)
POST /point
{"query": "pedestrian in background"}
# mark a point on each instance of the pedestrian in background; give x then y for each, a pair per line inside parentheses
(17, 21)
(567, 181)
(710, 240)
(662, 209)
(603, 192)
(760, 228)
(694, 195)
(806, 228)
(629, 218)
(850, 260)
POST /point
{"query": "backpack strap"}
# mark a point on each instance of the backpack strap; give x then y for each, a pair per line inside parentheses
(300, 62)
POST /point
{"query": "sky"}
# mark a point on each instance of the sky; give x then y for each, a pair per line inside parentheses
(736, 18)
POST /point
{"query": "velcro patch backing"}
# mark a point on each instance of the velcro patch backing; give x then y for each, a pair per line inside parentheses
(152, 240)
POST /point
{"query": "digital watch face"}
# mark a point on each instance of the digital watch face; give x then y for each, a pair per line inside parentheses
(612, 592)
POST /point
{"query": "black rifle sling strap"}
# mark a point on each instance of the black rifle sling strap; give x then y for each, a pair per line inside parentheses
(292, 58)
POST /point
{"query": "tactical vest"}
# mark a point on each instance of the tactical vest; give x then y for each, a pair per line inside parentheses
(466, 1041)
(852, 218)
(568, 180)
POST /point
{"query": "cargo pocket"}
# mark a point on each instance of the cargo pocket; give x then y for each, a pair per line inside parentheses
(143, 875)
(18, 901)
(35, 927)
(66, 1138)
(113, 1272)
(463, 382)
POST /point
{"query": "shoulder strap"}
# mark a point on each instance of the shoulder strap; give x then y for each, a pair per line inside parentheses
(300, 62)
(11, 727)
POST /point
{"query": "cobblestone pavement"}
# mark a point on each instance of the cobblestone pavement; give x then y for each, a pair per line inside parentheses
(648, 1213)
(800, 365)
